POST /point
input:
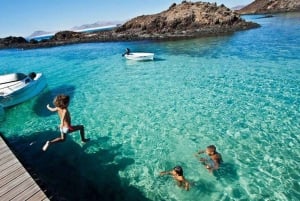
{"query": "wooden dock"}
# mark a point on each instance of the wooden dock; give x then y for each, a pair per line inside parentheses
(16, 184)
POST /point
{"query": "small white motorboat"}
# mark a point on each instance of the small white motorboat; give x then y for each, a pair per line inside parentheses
(16, 88)
(138, 56)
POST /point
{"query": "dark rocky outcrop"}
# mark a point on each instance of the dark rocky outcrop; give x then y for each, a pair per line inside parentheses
(185, 20)
(66, 35)
(12, 41)
(270, 6)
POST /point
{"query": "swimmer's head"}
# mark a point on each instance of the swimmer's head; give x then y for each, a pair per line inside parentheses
(178, 170)
(211, 149)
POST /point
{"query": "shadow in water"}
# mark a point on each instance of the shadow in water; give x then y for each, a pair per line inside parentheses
(69, 172)
(204, 186)
(159, 59)
(2, 114)
(47, 98)
(227, 171)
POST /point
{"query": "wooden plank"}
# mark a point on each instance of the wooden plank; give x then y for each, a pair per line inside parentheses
(8, 164)
(15, 182)
(18, 189)
(27, 193)
(12, 184)
(10, 177)
(4, 152)
(9, 170)
(3, 148)
(6, 159)
(23, 190)
(2, 144)
(38, 196)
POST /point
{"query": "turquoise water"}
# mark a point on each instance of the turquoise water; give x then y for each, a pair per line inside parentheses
(240, 92)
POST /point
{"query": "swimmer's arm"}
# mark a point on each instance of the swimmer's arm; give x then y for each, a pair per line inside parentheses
(201, 152)
(215, 167)
(164, 173)
(186, 185)
(52, 109)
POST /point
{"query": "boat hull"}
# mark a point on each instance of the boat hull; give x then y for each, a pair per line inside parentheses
(140, 56)
(24, 91)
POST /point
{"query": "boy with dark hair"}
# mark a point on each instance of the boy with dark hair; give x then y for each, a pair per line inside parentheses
(213, 159)
(61, 103)
(177, 174)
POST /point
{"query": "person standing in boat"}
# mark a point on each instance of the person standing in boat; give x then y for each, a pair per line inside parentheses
(61, 103)
(127, 52)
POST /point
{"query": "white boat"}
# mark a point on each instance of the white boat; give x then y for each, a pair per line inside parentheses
(139, 56)
(16, 88)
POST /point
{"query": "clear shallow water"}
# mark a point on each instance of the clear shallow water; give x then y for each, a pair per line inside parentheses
(240, 92)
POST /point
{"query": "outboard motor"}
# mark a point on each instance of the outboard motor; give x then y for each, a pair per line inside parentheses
(32, 75)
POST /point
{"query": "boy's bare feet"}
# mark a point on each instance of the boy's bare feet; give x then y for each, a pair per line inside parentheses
(85, 140)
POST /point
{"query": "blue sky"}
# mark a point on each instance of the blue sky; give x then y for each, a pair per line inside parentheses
(23, 17)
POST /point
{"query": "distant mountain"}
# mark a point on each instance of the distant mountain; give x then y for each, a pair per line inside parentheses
(85, 26)
(39, 33)
(96, 24)
(239, 7)
(271, 6)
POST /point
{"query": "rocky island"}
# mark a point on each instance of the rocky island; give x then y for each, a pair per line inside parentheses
(185, 20)
(271, 6)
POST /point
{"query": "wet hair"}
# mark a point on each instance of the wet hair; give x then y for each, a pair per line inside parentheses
(178, 169)
(61, 101)
(212, 148)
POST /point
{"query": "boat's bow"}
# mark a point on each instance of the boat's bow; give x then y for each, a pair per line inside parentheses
(16, 91)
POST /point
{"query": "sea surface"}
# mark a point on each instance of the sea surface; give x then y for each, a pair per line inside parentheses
(240, 92)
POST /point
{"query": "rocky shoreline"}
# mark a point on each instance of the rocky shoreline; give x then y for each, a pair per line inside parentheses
(182, 21)
(271, 7)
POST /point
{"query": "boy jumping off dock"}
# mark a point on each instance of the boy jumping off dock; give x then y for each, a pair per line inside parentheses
(61, 103)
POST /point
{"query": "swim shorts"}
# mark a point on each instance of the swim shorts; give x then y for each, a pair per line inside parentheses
(65, 130)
